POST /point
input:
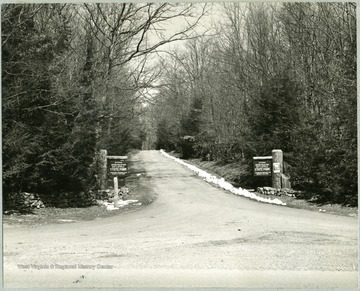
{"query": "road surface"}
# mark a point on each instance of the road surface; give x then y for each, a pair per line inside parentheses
(193, 235)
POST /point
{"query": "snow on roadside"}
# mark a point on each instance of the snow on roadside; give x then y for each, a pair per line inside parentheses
(222, 183)
(121, 203)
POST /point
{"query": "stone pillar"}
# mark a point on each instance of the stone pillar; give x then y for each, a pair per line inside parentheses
(277, 168)
(103, 169)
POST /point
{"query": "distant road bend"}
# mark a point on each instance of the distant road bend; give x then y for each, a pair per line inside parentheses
(193, 235)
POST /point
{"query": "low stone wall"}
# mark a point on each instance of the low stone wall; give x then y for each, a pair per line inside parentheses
(25, 200)
(108, 195)
(22, 200)
(277, 192)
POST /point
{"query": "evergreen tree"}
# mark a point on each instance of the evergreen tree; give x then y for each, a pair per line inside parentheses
(276, 115)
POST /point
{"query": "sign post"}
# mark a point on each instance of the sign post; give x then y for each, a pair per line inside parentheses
(116, 192)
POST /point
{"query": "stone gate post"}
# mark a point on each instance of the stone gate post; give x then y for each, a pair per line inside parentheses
(277, 168)
(103, 169)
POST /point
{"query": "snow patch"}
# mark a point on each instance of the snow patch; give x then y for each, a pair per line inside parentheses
(222, 183)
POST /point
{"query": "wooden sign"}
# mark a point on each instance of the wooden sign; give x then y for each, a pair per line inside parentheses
(117, 166)
(262, 166)
(270, 166)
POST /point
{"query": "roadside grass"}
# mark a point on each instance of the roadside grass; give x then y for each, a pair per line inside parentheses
(230, 172)
(137, 182)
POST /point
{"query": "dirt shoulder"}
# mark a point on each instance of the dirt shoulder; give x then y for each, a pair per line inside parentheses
(139, 189)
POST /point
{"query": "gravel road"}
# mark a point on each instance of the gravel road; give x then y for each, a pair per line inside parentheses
(193, 235)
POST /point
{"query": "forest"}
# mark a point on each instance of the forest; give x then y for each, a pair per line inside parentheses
(77, 78)
(271, 76)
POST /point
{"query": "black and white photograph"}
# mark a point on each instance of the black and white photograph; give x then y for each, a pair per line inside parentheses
(179, 144)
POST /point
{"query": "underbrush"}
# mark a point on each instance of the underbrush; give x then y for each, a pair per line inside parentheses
(139, 189)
